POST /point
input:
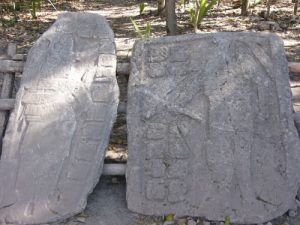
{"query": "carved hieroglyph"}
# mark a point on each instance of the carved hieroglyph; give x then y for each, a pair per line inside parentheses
(54, 146)
(210, 128)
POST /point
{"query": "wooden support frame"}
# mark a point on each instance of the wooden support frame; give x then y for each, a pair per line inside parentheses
(123, 68)
(294, 67)
(14, 63)
(6, 92)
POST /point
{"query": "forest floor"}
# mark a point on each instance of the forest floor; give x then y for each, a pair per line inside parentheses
(25, 31)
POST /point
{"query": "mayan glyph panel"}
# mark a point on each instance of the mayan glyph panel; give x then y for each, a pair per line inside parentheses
(210, 128)
(56, 138)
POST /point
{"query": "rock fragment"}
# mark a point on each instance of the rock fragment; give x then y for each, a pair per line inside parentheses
(55, 142)
(210, 128)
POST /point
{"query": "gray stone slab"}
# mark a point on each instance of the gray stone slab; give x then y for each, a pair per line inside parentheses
(65, 108)
(210, 128)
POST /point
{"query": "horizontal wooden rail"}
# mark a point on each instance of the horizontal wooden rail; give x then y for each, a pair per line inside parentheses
(7, 104)
(294, 67)
(115, 169)
(11, 66)
(123, 68)
(297, 117)
(14, 66)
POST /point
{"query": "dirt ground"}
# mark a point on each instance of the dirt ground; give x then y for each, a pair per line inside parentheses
(107, 204)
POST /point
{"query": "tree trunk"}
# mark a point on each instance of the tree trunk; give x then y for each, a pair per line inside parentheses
(245, 6)
(296, 7)
(171, 17)
(269, 2)
(161, 4)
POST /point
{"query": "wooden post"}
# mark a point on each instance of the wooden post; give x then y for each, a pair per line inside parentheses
(269, 2)
(161, 6)
(171, 22)
(244, 7)
(6, 92)
(296, 7)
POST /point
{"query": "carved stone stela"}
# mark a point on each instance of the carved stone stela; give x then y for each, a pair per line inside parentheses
(210, 128)
(57, 135)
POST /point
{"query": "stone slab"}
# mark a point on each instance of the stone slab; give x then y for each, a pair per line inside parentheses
(55, 142)
(210, 128)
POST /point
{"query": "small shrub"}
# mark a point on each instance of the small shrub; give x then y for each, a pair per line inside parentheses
(35, 5)
(227, 220)
(199, 11)
(145, 33)
(142, 8)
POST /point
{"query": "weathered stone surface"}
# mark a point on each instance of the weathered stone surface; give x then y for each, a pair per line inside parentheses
(57, 134)
(210, 128)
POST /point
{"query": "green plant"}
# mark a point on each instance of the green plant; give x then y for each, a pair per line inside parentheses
(142, 8)
(169, 217)
(35, 5)
(227, 220)
(254, 4)
(146, 33)
(199, 11)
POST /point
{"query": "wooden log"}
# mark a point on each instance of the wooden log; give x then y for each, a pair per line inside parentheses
(269, 2)
(6, 92)
(19, 57)
(7, 104)
(122, 108)
(295, 83)
(11, 49)
(123, 68)
(10, 66)
(7, 86)
(295, 88)
(297, 121)
(244, 7)
(297, 117)
(118, 169)
(296, 7)
(294, 67)
(17, 65)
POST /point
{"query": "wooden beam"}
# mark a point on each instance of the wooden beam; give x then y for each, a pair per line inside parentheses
(19, 57)
(116, 169)
(123, 68)
(6, 92)
(122, 107)
(296, 7)
(7, 104)
(17, 65)
(10, 66)
(294, 67)
(297, 117)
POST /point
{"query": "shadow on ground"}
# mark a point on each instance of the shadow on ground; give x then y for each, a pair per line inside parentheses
(107, 206)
